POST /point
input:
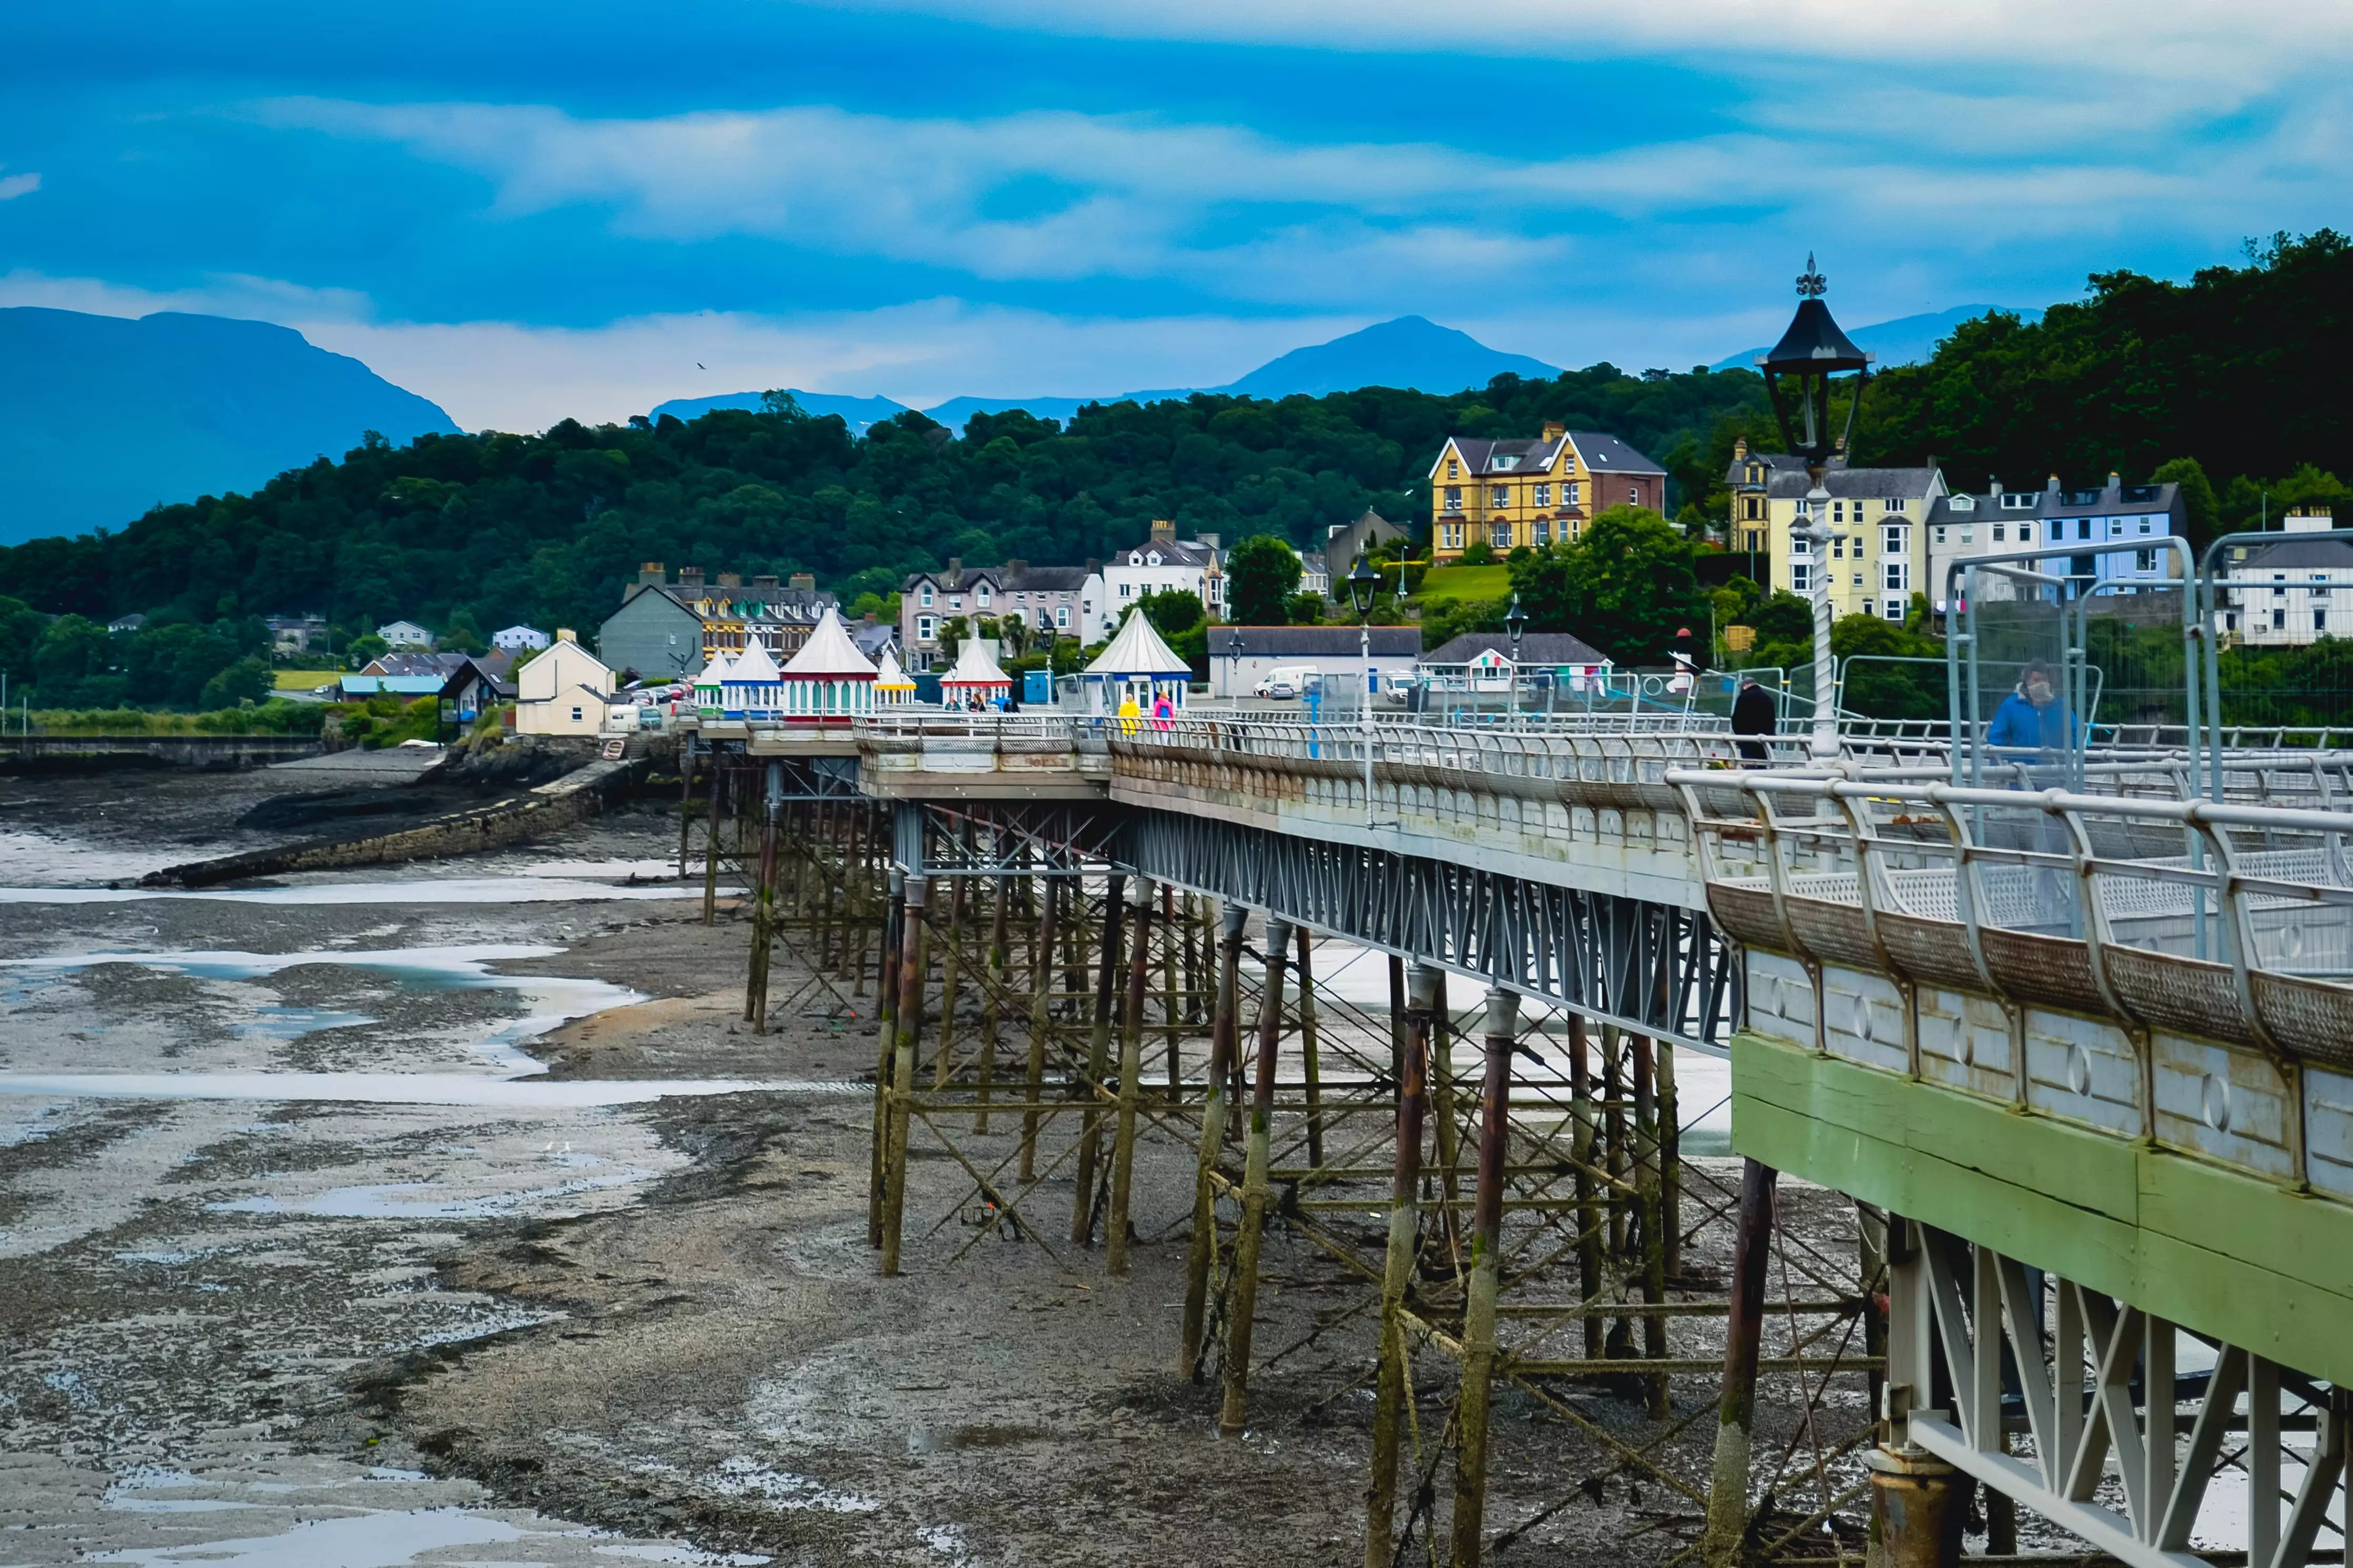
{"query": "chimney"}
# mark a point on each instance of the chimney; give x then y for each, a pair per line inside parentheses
(954, 576)
(2309, 517)
(2052, 485)
(730, 579)
(650, 575)
(1208, 538)
(1993, 487)
(1739, 447)
(564, 634)
(1164, 529)
(766, 580)
(801, 582)
(2116, 480)
(1094, 565)
(1014, 568)
(1554, 430)
(690, 579)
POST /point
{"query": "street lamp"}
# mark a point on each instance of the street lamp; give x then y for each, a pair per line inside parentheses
(1364, 582)
(1234, 671)
(1811, 352)
(1516, 622)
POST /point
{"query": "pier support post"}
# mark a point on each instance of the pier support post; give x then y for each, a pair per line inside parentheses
(1131, 1077)
(1736, 1415)
(1224, 1030)
(1916, 1511)
(1584, 1145)
(1503, 1020)
(1082, 1207)
(1308, 1055)
(1238, 1322)
(1409, 1057)
(886, 1045)
(716, 803)
(909, 1026)
(764, 908)
(1001, 894)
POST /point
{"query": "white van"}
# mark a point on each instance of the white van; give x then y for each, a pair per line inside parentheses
(1285, 681)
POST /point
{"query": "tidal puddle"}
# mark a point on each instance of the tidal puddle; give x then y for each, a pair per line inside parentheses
(402, 1087)
(453, 890)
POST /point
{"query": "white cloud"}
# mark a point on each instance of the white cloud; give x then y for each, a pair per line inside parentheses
(15, 186)
(2193, 43)
(221, 294)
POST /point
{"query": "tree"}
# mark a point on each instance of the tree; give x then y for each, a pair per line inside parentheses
(1627, 586)
(2200, 510)
(1173, 611)
(1260, 573)
(1306, 609)
(246, 680)
(952, 631)
(364, 649)
(71, 656)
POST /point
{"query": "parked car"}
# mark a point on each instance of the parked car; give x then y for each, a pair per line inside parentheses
(1285, 681)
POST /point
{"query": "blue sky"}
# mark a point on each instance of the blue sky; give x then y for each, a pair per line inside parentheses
(529, 210)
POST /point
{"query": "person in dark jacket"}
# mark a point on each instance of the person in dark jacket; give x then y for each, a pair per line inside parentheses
(1754, 713)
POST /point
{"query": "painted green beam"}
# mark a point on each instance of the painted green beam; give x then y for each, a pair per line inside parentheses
(2211, 1248)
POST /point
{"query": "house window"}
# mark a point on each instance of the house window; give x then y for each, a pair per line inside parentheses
(1891, 540)
(956, 601)
(1502, 532)
(2279, 624)
(575, 715)
(981, 598)
(1540, 534)
(1893, 610)
(1544, 495)
(927, 597)
(1062, 616)
(1801, 577)
(2144, 524)
(1969, 535)
(1125, 589)
(2000, 532)
(1634, 495)
(2058, 528)
(1801, 546)
(2279, 584)
(1453, 469)
(2320, 620)
(2082, 528)
(1755, 512)
(1499, 495)
(1450, 536)
(1454, 497)
(1838, 548)
(926, 627)
(1940, 533)
(2144, 561)
(1569, 492)
(1894, 503)
(2319, 583)
(1898, 573)
(1858, 579)
(1838, 511)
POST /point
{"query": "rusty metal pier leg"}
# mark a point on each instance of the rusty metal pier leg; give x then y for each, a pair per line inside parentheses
(1082, 1207)
(1650, 1156)
(1130, 1079)
(1308, 1054)
(1583, 1147)
(1001, 894)
(716, 803)
(1172, 934)
(1501, 1028)
(1041, 993)
(764, 908)
(886, 1048)
(907, 1032)
(685, 799)
(1735, 1414)
(952, 974)
(1238, 1322)
(1409, 1058)
(1224, 1032)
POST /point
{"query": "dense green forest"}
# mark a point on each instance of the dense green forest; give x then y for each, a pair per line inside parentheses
(2222, 382)
(547, 528)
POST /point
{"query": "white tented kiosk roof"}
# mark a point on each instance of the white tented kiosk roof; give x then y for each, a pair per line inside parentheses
(830, 655)
(892, 678)
(717, 672)
(975, 665)
(1138, 651)
(753, 666)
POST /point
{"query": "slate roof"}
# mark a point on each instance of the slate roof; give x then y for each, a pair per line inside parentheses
(1603, 454)
(1785, 478)
(1535, 647)
(2306, 552)
(1313, 642)
(1173, 553)
(2132, 500)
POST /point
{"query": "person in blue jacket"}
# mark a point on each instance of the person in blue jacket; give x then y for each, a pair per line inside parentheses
(2031, 718)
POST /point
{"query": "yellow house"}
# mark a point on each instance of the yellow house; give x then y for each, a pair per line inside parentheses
(1509, 493)
(564, 692)
(1881, 556)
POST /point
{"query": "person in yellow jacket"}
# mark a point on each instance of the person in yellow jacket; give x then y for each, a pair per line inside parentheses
(1128, 715)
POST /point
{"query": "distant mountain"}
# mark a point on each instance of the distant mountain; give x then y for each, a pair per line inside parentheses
(1409, 351)
(858, 413)
(102, 417)
(1907, 339)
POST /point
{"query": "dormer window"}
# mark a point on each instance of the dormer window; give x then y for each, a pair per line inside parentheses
(1135, 558)
(1153, 558)
(1960, 503)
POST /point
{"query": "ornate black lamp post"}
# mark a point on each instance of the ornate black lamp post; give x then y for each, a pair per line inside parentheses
(1363, 583)
(1800, 370)
(1516, 622)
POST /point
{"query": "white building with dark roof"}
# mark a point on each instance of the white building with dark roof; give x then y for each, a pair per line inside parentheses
(2292, 593)
(2112, 533)
(1241, 656)
(1165, 563)
(1509, 493)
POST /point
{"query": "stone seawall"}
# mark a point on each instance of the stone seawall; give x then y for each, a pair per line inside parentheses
(46, 753)
(533, 814)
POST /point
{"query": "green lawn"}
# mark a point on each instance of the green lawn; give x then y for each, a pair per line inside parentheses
(304, 679)
(1467, 582)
